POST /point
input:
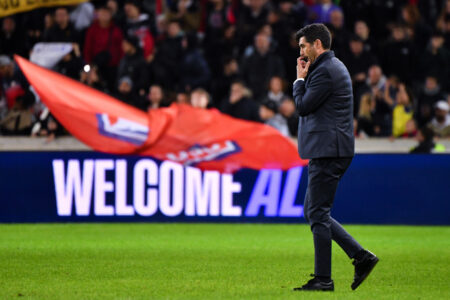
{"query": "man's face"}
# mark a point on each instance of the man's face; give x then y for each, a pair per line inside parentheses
(308, 51)
(199, 100)
(131, 11)
(374, 74)
(262, 43)
(440, 114)
(155, 95)
(61, 17)
(356, 47)
(104, 16)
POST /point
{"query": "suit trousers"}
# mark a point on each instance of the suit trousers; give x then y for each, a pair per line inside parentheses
(323, 178)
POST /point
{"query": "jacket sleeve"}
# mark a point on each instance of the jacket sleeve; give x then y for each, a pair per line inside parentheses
(319, 88)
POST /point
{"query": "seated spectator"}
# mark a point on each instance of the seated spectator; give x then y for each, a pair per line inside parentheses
(276, 90)
(402, 112)
(288, 111)
(410, 129)
(138, 24)
(258, 68)
(194, 69)
(133, 65)
(200, 98)
(428, 96)
(441, 121)
(182, 97)
(426, 145)
(103, 44)
(11, 38)
(12, 84)
(47, 126)
(62, 30)
(268, 113)
(186, 12)
(19, 119)
(239, 104)
(156, 97)
(321, 12)
(365, 117)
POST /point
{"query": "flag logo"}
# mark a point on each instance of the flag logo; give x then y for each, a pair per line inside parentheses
(122, 129)
(198, 153)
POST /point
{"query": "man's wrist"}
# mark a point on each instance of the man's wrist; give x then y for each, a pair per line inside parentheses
(299, 79)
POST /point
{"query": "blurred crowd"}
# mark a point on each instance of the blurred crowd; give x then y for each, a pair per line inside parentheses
(239, 56)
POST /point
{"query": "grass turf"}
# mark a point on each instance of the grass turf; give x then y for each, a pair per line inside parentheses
(212, 261)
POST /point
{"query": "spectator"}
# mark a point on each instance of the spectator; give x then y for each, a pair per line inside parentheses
(402, 112)
(118, 15)
(420, 31)
(133, 65)
(288, 110)
(11, 39)
(200, 98)
(398, 55)
(126, 93)
(221, 86)
(239, 104)
(339, 33)
(259, 67)
(441, 121)
(429, 95)
(436, 60)
(138, 24)
(321, 12)
(186, 12)
(426, 145)
(71, 64)
(219, 17)
(253, 15)
(62, 30)
(156, 97)
(410, 129)
(103, 45)
(12, 84)
(165, 67)
(268, 113)
(194, 69)
(90, 76)
(276, 90)
(363, 31)
(46, 126)
(358, 61)
(365, 118)
(19, 119)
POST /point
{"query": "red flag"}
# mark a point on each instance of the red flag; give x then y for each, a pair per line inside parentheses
(206, 139)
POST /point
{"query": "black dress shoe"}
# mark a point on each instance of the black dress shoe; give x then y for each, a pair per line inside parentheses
(316, 284)
(363, 267)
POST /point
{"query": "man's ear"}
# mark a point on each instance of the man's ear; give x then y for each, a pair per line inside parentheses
(318, 44)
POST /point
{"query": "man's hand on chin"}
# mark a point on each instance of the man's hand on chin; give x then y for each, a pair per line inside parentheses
(302, 67)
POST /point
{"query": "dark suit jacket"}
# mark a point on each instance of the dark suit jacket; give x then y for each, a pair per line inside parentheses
(324, 102)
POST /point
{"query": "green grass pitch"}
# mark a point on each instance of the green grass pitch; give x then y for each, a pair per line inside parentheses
(212, 261)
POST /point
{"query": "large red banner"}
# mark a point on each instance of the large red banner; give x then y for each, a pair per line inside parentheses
(191, 136)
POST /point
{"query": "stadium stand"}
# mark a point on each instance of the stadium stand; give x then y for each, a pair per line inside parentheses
(397, 52)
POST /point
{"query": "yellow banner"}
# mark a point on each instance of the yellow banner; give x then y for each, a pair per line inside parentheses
(10, 7)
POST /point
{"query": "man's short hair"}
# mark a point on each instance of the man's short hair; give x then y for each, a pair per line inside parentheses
(317, 31)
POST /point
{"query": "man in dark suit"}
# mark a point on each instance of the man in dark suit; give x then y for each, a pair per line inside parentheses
(324, 100)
